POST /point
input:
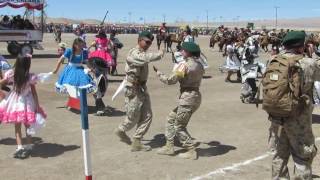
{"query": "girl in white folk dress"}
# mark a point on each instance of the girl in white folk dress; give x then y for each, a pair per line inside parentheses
(21, 105)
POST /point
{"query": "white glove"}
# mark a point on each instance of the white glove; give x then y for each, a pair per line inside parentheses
(44, 77)
(86, 71)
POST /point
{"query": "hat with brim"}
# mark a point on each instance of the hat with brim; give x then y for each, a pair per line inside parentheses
(294, 38)
(190, 47)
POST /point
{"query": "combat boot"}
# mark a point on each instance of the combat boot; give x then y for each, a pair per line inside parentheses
(190, 154)
(138, 146)
(167, 149)
(123, 136)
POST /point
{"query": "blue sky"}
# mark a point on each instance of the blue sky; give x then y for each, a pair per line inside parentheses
(172, 10)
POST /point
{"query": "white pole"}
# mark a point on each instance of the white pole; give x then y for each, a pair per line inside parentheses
(85, 134)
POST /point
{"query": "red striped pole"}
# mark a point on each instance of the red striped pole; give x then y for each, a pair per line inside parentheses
(85, 134)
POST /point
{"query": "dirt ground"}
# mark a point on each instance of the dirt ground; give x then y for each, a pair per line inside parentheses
(233, 135)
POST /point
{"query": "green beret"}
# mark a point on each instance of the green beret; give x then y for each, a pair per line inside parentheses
(294, 38)
(191, 47)
(146, 34)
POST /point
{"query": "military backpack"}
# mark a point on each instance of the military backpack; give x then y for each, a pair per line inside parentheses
(282, 86)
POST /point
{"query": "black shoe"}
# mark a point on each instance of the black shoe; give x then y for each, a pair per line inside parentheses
(22, 153)
(17, 153)
(26, 153)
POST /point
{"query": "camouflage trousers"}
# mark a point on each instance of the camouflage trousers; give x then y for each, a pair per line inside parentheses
(138, 111)
(295, 138)
(177, 123)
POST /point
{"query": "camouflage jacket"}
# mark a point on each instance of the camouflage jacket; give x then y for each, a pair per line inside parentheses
(189, 74)
(136, 68)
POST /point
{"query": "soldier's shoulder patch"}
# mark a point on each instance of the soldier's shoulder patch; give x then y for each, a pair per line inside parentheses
(181, 70)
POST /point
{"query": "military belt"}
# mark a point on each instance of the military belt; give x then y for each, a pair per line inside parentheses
(189, 89)
(138, 83)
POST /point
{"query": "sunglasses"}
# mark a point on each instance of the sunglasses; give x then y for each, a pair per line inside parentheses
(148, 42)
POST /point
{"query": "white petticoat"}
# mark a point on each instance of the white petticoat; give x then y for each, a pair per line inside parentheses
(316, 93)
(231, 64)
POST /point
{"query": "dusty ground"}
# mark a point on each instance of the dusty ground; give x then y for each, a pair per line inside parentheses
(230, 132)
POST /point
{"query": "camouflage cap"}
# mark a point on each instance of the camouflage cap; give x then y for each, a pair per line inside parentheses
(191, 47)
(146, 34)
(294, 38)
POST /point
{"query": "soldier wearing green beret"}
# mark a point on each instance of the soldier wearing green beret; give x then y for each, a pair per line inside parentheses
(292, 134)
(189, 74)
(137, 99)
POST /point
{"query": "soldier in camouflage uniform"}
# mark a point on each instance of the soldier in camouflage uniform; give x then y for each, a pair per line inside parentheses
(189, 74)
(137, 100)
(293, 135)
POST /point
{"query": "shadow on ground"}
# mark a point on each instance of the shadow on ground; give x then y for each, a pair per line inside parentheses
(158, 141)
(115, 80)
(215, 148)
(109, 112)
(315, 176)
(42, 149)
(46, 150)
(315, 119)
(39, 56)
(119, 75)
(12, 141)
(207, 77)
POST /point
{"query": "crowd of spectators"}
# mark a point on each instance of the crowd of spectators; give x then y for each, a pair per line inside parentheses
(121, 29)
(19, 23)
(16, 22)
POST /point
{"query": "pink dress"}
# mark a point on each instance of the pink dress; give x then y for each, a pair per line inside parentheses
(101, 52)
(19, 108)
